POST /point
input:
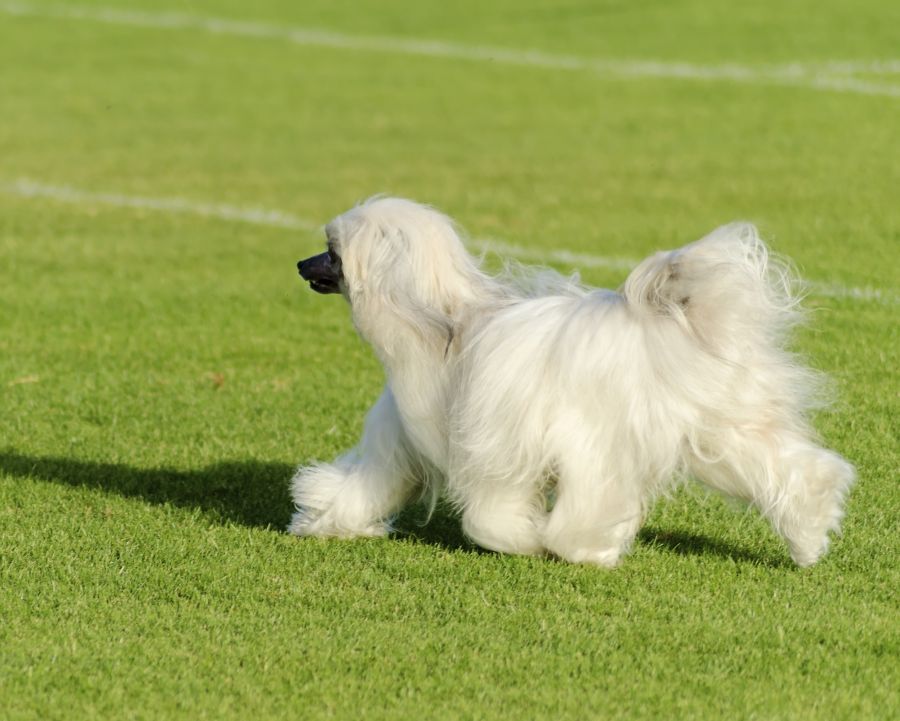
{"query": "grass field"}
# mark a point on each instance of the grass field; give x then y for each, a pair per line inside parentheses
(162, 369)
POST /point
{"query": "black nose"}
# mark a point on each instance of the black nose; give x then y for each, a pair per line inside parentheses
(323, 275)
(314, 268)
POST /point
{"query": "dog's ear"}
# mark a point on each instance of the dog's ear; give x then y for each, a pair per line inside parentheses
(408, 276)
(451, 336)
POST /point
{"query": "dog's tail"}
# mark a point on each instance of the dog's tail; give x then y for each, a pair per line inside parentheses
(726, 289)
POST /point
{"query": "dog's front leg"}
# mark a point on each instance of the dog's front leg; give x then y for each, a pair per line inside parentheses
(357, 493)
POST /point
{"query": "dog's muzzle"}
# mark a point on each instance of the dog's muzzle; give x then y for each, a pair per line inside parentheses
(322, 272)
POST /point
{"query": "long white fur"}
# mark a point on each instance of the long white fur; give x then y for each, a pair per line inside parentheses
(553, 415)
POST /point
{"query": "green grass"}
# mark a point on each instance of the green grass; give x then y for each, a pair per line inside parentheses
(161, 375)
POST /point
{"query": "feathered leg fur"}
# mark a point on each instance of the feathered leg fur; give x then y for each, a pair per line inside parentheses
(358, 493)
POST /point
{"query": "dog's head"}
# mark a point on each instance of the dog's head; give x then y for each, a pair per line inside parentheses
(396, 260)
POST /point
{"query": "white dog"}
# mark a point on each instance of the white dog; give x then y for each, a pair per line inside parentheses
(553, 415)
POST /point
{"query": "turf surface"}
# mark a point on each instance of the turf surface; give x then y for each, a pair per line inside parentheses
(162, 373)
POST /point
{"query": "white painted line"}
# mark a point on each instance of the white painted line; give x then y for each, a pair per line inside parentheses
(835, 76)
(25, 188)
(559, 256)
(866, 292)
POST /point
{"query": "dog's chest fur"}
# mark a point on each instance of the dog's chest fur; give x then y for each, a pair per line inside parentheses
(416, 400)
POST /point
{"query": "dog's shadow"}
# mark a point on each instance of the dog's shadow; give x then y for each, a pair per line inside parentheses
(250, 493)
(685, 543)
(443, 530)
(256, 494)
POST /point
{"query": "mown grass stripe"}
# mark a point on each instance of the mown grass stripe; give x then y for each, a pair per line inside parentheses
(836, 76)
(27, 188)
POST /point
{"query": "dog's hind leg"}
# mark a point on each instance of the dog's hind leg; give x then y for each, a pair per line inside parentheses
(796, 484)
(357, 493)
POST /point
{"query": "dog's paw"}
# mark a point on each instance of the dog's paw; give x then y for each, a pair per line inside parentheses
(306, 523)
(805, 555)
(512, 533)
(604, 557)
(330, 504)
(817, 513)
